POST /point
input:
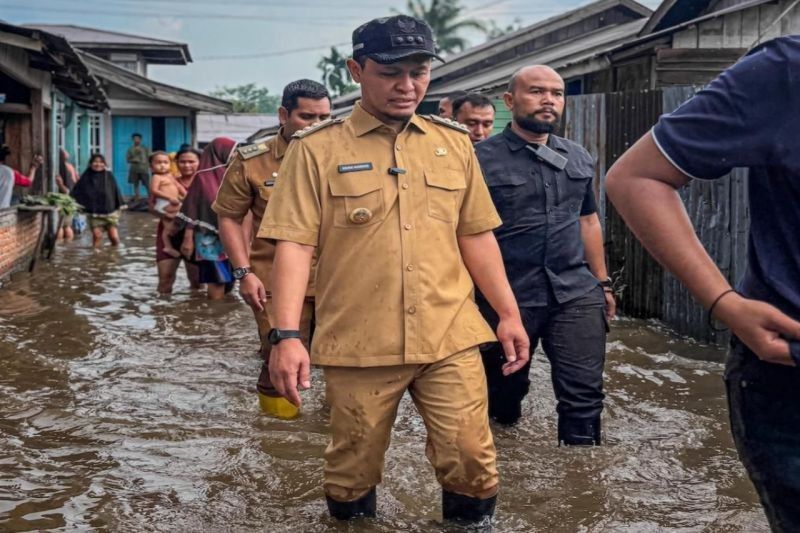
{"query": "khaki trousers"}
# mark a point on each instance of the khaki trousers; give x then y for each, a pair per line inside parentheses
(450, 395)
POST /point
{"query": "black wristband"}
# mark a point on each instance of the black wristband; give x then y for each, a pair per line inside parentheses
(711, 311)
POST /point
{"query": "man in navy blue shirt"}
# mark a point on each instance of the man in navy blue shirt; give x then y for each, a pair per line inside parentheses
(552, 248)
(748, 117)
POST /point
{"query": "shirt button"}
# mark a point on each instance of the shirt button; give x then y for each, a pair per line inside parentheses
(410, 268)
(547, 184)
(405, 185)
(412, 310)
(398, 148)
(407, 226)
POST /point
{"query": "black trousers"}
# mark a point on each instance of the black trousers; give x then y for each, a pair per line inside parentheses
(573, 336)
(764, 401)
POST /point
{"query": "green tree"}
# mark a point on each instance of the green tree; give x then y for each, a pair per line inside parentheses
(445, 18)
(494, 31)
(249, 98)
(335, 75)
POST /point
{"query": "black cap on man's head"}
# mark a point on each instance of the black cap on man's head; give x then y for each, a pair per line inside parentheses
(392, 39)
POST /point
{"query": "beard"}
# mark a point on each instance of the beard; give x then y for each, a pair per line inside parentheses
(533, 125)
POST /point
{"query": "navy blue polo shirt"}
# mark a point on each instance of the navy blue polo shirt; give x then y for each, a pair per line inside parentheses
(540, 238)
(750, 117)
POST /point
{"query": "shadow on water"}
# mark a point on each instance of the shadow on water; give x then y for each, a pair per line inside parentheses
(124, 411)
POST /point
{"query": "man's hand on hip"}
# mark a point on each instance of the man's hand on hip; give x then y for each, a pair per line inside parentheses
(516, 344)
(762, 327)
(290, 365)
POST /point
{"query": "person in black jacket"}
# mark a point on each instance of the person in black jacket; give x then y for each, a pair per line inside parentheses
(98, 194)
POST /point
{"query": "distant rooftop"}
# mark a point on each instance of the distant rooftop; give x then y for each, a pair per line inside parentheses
(103, 42)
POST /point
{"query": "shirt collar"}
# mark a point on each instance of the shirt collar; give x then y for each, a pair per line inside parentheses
(363, 122)
(280, 145)
(516, 143)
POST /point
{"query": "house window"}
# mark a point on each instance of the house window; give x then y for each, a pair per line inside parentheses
(95, 133)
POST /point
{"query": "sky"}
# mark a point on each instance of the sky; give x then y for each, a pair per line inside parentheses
(266, 42)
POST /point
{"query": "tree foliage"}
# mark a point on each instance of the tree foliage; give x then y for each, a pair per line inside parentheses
(446, 19)
(249, 98)
(494, 31)
(335, 75)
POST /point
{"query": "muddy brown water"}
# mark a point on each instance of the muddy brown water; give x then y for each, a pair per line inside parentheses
(123, 411)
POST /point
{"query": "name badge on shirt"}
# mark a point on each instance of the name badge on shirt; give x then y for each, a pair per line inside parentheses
(354, 167)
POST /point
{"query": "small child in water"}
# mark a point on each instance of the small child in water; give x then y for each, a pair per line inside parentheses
(167, 190)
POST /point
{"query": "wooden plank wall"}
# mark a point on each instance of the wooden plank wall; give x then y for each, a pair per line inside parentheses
(741, 29)
(629, 115)
(588, 128)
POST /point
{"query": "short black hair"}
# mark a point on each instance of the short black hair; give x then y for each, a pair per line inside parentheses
(5, 151)
(188, 150)
(302, 89)
(136, 135)
(473, 99)
(455, 95)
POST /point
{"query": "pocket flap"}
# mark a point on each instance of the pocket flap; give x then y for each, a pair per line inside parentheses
(354, 184)
(579, 170)
(504, 179)
(446, 178)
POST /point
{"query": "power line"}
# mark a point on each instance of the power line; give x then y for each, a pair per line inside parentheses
(325, 21)
(270, 54)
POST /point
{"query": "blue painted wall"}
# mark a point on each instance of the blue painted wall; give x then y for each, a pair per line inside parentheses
(176, 129)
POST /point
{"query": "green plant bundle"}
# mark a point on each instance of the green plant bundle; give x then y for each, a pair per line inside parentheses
(65, 203)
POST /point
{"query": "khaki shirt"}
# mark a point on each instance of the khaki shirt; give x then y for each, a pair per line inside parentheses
(391, 284)
(247, 186)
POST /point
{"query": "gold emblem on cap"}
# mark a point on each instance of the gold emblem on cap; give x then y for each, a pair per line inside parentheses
(360, 215)
(440, 152)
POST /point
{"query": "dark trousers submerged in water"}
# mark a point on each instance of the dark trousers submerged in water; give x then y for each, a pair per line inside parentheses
(764, 401)
(573, 336)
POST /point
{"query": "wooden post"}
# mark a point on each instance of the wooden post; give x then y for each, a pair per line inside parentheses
(38, 141)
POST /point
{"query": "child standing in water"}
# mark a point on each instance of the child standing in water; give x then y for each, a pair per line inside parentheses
(167, 190)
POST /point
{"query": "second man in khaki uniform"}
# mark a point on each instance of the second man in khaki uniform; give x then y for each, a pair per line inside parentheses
(242, 199)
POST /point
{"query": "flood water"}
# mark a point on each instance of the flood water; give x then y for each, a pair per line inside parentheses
(123, 411)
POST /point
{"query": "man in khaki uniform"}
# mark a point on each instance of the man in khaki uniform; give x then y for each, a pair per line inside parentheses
(243, 195)
(399, 215)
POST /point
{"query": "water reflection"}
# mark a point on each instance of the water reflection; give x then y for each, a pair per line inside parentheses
(126, 411)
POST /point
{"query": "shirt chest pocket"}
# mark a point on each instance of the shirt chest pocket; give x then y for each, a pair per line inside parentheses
(578, 176)
(357, 200)
(444, 188)
(510, 196)
(265, 191)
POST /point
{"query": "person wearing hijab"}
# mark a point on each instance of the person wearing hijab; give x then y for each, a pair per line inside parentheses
(202, 235)
(100, 197)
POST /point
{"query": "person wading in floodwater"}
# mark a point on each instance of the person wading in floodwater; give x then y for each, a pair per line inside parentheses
(747, 117)
(395, 206)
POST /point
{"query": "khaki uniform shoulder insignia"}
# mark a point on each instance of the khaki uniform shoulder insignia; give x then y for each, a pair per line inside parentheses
(305, 132)
(447, 122)
(251, 150)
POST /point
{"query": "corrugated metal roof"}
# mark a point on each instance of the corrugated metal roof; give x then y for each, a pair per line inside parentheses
(153, 89)
(558, 57)
(157, 51)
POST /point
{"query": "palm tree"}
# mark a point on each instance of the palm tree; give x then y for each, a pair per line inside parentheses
(335, 75)
(444, 18)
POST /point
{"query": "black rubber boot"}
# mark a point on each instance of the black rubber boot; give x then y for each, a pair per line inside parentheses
(362, 507)
(579, 431)
(466, 510)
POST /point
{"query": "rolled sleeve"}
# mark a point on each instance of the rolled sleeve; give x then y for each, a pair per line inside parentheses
(477, 213)
(731, 123)
(235, 196)
(294, 212)
(589, 205)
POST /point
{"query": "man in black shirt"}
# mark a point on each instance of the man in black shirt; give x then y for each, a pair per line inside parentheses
(552, 246)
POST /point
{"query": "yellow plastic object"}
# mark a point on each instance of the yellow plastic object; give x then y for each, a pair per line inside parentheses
(278, 407)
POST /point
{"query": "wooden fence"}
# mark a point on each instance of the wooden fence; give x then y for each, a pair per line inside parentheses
(607, 125)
